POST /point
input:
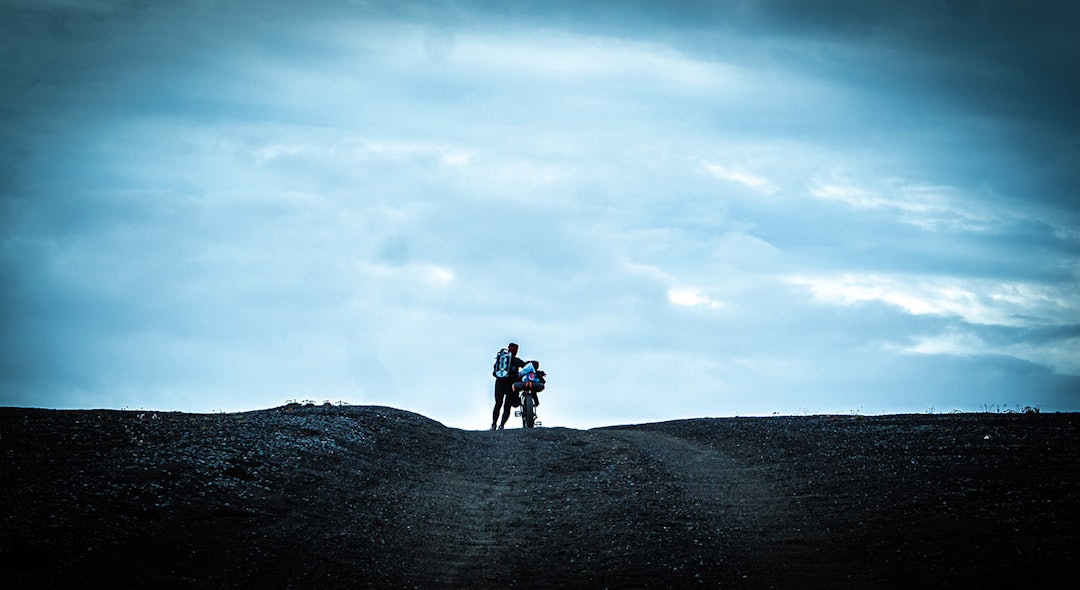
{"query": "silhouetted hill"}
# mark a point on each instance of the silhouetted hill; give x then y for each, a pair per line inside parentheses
(342, 497)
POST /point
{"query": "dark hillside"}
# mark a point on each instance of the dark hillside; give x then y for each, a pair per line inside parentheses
(341, 497)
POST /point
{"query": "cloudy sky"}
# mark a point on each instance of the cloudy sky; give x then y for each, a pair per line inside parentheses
(683, 209)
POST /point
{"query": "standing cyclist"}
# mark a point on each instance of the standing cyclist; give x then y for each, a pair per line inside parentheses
(505, 372)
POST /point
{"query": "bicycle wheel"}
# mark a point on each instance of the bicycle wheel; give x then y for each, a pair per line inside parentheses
(528, 411)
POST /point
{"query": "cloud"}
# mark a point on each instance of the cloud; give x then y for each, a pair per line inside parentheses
(747, 251)
(756, 183)
(977, 301)
(1025, 309)
(933, 208)
(1063, 355)
(761, 207)
(690, 297)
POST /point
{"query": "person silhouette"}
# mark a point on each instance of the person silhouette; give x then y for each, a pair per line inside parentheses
(504, 386)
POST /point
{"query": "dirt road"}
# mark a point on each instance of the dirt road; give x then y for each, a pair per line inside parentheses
(341, 497)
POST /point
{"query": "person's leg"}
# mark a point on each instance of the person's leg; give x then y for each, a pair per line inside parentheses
(506, 415)
(511, 397)
(500, 396)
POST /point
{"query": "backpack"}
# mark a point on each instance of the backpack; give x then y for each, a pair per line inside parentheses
(502, 364)
(529, 375)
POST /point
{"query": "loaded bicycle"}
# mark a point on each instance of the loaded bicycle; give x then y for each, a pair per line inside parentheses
(532, 383)
(527, 396)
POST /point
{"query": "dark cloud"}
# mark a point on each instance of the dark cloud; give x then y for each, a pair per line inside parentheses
(1039, 335)
(980, 383)
(1012, 64)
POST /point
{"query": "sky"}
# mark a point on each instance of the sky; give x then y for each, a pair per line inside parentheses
(680, 208)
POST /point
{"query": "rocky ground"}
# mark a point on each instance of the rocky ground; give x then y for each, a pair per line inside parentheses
(341, 497)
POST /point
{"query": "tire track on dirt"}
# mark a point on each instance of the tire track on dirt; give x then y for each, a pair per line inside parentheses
(541, 508)
(457, 504)
(487, 503)
(602, 507)
(722, 507)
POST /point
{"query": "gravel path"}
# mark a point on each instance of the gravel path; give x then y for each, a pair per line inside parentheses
(342, 497)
